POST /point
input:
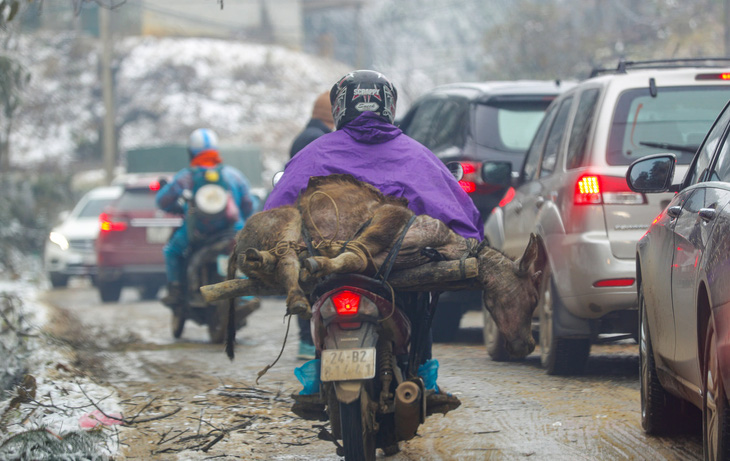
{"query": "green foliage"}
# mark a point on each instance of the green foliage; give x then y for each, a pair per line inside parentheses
(42, 444)
(8, 10)
(566, 39)
(30, 209)
(14, 328)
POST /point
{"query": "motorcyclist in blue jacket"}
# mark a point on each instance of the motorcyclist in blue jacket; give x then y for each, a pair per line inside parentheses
(205, 167)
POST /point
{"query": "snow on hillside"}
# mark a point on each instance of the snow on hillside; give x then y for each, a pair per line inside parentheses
(164, 88)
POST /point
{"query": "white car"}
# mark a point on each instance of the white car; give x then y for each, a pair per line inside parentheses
(69, 250)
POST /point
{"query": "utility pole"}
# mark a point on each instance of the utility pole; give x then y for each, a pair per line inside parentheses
(109, 143)
(358, 36)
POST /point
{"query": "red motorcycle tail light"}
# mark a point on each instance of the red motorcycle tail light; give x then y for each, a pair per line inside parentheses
(108, 225)
(346, 302)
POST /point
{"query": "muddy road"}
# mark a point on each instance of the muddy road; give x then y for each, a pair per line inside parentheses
(188, 401)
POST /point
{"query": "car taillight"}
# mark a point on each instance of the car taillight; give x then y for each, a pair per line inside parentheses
(614, 283)
(713, 76)
(609, 190)
(107, 225)
(471, 177)
(508, 196)
(346, 302)
(155, 185)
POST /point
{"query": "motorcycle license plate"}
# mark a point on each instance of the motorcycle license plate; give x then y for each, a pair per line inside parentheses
(158, 234)
(347, 364)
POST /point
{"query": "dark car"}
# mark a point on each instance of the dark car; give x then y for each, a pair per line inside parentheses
(682, 270)
(133, 233)
(471, 123)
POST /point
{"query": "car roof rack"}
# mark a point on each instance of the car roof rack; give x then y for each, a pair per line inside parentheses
(624, 65)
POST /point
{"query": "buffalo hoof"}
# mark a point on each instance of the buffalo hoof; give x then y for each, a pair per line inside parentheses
(311, 265)
(300, 308)
(252, 255)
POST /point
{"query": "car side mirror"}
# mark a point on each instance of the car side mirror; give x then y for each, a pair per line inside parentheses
(497, 173)
(653, 173)
(456, 169)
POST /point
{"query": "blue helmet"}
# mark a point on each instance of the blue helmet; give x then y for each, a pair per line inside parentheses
(362, 91)
(201, 140)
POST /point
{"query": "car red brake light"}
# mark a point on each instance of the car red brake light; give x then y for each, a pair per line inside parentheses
(614, 283)
(713, 76)
(155, 185)
(508, 196)
(107, 225)
(346, 302)
(470, 179)
(468, 186)
(609, 190)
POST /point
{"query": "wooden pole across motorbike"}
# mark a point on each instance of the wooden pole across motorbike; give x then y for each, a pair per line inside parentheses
(435, 276)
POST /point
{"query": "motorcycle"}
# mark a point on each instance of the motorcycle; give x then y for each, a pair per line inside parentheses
(371, 389)
(205, 264)
(376, 386)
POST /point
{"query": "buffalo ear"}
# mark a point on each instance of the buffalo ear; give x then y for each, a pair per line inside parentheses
(530, 255)
(542, 259)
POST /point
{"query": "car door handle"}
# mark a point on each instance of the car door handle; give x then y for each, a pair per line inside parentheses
(707, 214)
(674, 211)
(539, 201)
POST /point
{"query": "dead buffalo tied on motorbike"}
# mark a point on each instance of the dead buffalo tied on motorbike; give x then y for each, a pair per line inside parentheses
(353, 227)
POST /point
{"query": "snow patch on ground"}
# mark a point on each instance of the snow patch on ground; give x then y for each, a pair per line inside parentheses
(61, 396)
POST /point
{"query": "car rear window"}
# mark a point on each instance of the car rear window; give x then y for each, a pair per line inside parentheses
(94, 207)
(675, 120)
(509, 125)
(136, 199)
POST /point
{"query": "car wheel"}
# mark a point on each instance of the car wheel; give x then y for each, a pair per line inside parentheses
(58, 280)
(110, 291)
(659, 409)
(446, 321)
(559, 356)
(178, 321)
(715, 410)
(493, 339)
(149, 291)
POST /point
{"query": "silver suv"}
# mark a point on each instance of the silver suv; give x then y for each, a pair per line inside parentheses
(572, 191)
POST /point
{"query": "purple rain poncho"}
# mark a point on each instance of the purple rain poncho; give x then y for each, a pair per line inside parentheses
(377, 152)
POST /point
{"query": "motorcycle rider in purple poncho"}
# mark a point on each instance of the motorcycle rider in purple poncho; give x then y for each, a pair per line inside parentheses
(367, 145)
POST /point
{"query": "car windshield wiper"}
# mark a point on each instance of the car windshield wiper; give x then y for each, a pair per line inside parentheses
(664, 145)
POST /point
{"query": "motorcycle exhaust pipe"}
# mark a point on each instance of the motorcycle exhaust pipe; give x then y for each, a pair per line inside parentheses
(407, 410)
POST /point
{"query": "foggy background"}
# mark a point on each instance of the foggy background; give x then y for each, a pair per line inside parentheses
(83, 82)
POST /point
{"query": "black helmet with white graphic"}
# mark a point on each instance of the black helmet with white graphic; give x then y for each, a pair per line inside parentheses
(362, 91)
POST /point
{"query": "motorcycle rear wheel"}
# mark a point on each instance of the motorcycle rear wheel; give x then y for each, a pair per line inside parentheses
(358, 444)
